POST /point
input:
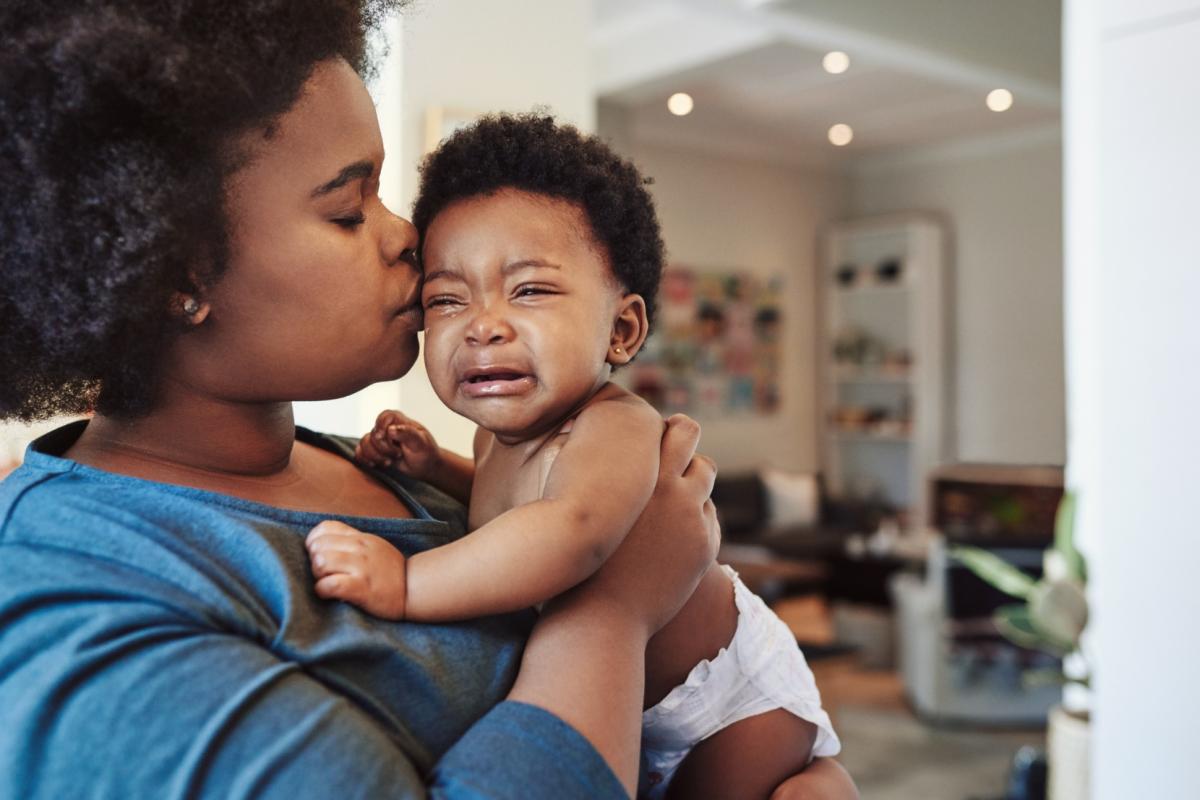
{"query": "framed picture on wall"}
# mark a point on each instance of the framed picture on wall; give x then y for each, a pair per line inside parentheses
(716, 349)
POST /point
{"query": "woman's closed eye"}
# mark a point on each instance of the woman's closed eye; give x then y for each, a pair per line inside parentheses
(350, 221)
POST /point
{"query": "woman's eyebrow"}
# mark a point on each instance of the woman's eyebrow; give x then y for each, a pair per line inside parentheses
(357, 170)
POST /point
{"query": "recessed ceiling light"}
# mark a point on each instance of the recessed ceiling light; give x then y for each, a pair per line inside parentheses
(680, 104)
(841, 134)
(999, 100)
(836, 62)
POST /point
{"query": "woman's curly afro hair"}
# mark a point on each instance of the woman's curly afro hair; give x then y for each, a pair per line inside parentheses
(118, 120)
(532, 153)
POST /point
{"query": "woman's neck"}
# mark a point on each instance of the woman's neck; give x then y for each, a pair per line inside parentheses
(189, 434)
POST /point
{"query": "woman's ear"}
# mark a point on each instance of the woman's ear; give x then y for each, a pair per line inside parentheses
(630, 327)
(190, 305)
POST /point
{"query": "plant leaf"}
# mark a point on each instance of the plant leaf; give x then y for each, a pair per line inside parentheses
(1064, 537)
(995, 570)
(1043, 676)
(1016, 624)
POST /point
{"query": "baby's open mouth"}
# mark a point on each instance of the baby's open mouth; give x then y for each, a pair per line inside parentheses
(495, 376)
(495, 381)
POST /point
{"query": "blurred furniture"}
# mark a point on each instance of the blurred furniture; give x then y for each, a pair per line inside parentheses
(785, 538)
(884, 337)
(956, 666)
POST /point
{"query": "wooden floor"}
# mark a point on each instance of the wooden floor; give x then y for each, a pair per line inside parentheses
(891, 753)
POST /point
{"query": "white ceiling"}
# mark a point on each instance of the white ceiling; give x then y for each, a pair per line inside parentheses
(920, 70)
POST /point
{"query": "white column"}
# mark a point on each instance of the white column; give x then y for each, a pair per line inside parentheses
(1133, 346)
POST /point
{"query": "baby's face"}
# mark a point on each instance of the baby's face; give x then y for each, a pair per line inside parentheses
(519, 311)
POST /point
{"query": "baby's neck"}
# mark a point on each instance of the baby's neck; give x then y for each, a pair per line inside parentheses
(537, 436)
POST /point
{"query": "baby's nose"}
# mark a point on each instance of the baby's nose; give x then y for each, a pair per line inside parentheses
(489, 328)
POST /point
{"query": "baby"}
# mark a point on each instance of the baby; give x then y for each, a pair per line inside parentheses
(542, 256)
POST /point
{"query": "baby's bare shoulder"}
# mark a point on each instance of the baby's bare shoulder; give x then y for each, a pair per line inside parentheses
(614, 405)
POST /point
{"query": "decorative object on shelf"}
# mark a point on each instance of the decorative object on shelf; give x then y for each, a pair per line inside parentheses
(846, 275)
(889, 271)
(858, 347)
(718, 345)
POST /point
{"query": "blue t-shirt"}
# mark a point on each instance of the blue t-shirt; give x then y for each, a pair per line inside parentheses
(162, 641)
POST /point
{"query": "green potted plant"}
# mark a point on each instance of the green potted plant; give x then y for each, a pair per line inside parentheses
(1051, 617)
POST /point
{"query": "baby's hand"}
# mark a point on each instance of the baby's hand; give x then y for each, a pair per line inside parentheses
(357, 567)
(397, 441)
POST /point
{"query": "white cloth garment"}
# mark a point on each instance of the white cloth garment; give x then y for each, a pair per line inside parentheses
(762, 669)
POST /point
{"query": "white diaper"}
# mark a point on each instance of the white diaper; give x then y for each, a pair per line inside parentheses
(762, 669)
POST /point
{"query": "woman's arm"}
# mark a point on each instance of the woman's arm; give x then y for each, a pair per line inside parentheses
(115, 683)
(585, 660)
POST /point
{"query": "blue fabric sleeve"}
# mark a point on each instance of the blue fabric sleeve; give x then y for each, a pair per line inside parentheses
(535, 753)
(94, 676)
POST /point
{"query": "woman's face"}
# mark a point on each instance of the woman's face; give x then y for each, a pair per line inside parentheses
(321, 296)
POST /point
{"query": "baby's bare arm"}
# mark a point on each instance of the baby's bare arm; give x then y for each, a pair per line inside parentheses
(599, 484)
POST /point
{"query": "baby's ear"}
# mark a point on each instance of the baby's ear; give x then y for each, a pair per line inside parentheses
(630, 327)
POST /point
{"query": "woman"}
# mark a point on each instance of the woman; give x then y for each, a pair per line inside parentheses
(192, 239)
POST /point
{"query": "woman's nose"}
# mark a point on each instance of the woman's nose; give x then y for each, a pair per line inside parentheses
(488, 327)
(398, 242)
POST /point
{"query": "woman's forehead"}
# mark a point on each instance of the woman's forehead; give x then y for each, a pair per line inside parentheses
(331, 127)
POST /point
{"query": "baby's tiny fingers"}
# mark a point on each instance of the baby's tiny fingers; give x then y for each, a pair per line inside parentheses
(329, 528)
(328, 561)
(339, 587)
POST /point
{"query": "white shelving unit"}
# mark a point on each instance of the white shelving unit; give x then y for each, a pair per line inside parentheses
(885, 377)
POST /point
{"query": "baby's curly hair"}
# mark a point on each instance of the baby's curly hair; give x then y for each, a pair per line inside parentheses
(118, 120)
(532, 153)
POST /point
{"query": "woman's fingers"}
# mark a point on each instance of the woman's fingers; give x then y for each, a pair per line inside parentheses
(678, 446)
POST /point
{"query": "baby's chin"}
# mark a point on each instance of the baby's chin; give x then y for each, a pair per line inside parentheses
(511, 420)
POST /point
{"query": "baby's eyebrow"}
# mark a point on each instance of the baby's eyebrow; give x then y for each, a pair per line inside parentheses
(527, 263)
(451, 274)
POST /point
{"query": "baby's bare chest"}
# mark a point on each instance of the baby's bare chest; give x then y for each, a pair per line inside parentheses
(507, 478)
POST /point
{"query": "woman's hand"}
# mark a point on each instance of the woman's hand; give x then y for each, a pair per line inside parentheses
(673, 542)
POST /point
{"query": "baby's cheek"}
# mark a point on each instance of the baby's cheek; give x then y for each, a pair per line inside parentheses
(438, 356)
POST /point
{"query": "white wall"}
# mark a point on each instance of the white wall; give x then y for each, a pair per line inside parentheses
(1133, 284)
(720, 213)
(1002, 201)
(475, 56)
